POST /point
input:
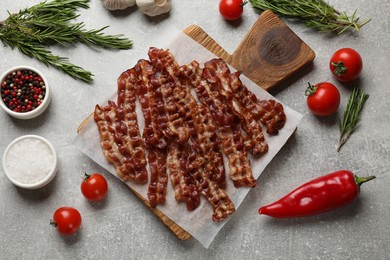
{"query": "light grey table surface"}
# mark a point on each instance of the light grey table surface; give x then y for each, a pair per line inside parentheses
(121, 227)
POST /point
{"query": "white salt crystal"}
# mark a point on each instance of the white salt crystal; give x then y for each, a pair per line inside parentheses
(29, 161)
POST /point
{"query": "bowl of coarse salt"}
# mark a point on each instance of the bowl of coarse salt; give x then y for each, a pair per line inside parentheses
(30, 162)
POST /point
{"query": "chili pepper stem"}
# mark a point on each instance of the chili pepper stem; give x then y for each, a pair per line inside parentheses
(361, 180)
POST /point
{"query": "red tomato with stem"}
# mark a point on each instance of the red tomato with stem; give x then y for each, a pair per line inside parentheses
(94, 187)
(323, 99)
(67, 220)
(346, 64)
(231, 9)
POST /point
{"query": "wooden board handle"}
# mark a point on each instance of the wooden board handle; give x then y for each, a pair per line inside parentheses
(201, 37)
(270, 52)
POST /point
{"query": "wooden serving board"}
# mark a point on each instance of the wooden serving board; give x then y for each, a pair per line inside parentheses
(268, 54)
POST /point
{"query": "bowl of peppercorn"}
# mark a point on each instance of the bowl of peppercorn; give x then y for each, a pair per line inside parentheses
(25, 93)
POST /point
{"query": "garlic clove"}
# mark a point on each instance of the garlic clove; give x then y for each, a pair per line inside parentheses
(154, 7)
(118, 4)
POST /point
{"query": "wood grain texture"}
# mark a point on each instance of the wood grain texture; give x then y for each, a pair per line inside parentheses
(201, 37)
(176, 229)
(268, 54)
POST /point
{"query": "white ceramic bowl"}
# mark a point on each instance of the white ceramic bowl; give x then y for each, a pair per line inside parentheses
(31, 149)
(37, 111)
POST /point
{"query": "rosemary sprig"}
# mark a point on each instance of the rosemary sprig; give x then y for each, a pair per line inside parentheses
(316, 14)
(351, 116)
(34, 29)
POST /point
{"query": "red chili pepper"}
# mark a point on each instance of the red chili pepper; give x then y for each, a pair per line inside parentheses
(323, 194)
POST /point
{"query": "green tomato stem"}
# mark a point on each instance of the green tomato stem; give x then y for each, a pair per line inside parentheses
(310, 90)
(53, 223)
(339, 68)
(86, 176)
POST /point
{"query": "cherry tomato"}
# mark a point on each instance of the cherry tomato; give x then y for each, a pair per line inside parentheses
(67, 220)
(231, 9)
(94, 187)
(323, 99)
(346, 64)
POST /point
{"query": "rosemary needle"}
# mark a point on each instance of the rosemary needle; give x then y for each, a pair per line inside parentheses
(351, 116)
(34, 29)
(316, 14)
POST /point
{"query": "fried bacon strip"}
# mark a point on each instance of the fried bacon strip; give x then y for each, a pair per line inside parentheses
(207, 142)
(182, 182)
(269, 112)
(157, 189)
(153, 136)
(217, 197)
(218, 74)
(126, 111)
(227, 124)
(164, 61)
(118, 147)
(163, 84)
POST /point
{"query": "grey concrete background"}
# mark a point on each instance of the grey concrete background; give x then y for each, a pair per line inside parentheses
(122, 228)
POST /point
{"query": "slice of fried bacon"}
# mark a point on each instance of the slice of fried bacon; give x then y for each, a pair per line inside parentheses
(119, 149)
(168, 118)
(269, 112)
(157, 189)
(227, 124)
(183, 183)
(218, 198)
(153, 136)
(126, 113)
(218, 74)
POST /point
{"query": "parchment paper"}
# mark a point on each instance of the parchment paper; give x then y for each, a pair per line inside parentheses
(198, 223)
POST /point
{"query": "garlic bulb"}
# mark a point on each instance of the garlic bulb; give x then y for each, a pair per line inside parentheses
(118, 4)
(154, 7)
